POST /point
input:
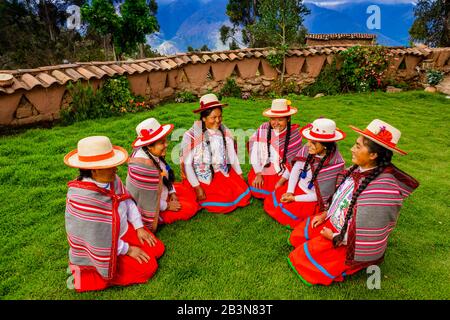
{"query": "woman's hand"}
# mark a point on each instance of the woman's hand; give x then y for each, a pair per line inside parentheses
(280, 182)
(138, 254)
(327, 233)
(174, 205)
(259, 181)
(318, 220)
(145, 236)
(201, 195)
(287, 197)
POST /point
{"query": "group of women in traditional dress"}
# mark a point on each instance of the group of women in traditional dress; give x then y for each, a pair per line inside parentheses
(341, 219)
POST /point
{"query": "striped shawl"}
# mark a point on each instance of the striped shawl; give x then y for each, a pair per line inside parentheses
(375, 215)
(259, 139)
(144, 183)
(325, 183)
(93, 225)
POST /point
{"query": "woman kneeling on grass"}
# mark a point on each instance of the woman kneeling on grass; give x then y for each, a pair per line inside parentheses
(272, 148)
(313, 178)
(151, 181)
(108, 243)
(353, 234)
(209, 162)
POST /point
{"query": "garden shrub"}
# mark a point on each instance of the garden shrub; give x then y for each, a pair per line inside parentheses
(328, 82)
(363, 68)
(230, 89)
(434, 77)
(113, 98)
(185, 96)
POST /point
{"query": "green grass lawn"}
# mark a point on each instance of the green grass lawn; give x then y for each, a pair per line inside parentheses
(241, 255)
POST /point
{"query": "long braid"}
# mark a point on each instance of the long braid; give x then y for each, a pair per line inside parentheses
(304, 171)
(269, 137)
(383, 160)
(330, 147)
(167, 181)
(225, 146)
(286, 146)
(208, 143)
(344, 177)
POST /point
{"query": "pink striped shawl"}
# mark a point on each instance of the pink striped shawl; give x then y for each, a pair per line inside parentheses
(375, 215)
(93, 225)
(144, 183)
(278, 142)
(325, 183)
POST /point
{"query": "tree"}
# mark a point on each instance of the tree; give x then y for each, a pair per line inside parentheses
(138, 20)
(280, 26)
(242, 14)
(432, 23)
(102, 17)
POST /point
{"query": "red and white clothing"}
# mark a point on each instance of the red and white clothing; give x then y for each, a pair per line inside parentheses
(310, 198)
(259, 157)
(186, 197)
(101, 224)
(224, 188)
(317, 261)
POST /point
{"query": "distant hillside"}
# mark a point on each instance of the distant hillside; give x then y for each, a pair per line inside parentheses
(196, 23)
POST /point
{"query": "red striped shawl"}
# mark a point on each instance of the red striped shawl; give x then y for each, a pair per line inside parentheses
(144, 183)
(375, 215)
(325, 183)
(93, 225)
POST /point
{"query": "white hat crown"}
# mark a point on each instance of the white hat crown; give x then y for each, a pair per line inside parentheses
(151, 124)
(323, 126)
(279, 105)
(94, 146)
(208, 98)
(378, 126)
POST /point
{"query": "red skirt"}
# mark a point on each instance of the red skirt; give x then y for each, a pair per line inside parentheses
(129, 271)
(289, 214)
(225, 194)
(315, 260)
(268, 186)
(189, 206)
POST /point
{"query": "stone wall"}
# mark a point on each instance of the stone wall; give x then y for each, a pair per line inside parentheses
(37, 95)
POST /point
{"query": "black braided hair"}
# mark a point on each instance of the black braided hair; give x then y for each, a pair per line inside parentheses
(286, 146)
(167, 181)
(383, 160)
(225, 145)
(330, 147)
(269, 137)
(84, 173)
(205, 114)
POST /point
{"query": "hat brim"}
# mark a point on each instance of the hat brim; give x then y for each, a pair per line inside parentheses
(120, 157)
(221, 105)
(139, 142)
(339, 135)
(377, 141)
(270, 114)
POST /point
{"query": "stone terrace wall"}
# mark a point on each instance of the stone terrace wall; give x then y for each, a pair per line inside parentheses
(38, 94)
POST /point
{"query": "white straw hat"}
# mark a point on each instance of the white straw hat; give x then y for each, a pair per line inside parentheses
(322, 130)
(383, 134)
(96, 152)
(149, 131)
(209, 101)
(280, 108)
